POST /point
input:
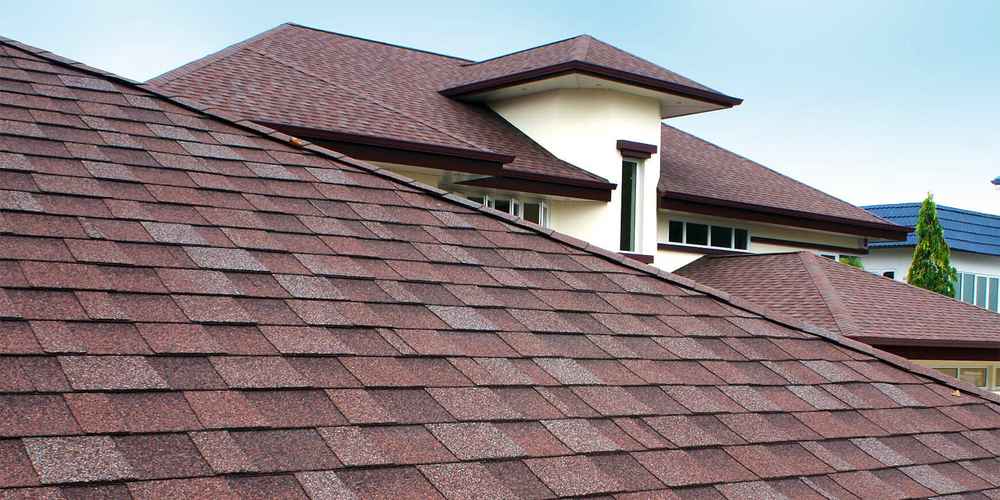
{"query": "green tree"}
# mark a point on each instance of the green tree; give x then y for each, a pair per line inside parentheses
(852, 260)
(931, 268)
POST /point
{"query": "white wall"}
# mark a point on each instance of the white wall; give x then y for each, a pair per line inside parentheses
(898, 259)
(582, 126)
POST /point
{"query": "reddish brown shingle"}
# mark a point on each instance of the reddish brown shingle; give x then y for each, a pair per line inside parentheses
(846, 300)
(567, 397)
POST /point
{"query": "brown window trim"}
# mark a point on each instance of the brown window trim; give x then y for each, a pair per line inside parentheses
(636, 150)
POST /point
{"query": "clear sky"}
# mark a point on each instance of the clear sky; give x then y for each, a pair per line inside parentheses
(871, 101)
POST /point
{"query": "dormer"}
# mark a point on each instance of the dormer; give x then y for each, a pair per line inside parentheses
(598, 108)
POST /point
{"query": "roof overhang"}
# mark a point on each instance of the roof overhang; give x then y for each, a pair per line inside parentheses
(487, 168)
(932, 349)
(759, 213)
(675, 99)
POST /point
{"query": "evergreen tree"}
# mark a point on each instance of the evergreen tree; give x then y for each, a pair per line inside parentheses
(931, 267)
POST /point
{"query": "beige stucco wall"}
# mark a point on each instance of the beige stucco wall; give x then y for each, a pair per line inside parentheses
(582, 126)
(672, 259)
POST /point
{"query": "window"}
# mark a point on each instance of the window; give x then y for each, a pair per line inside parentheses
(885, 273)
(536, 211)
(831, 256)
(706, 235)
(630, 195)
(978, 289)
(978, 376)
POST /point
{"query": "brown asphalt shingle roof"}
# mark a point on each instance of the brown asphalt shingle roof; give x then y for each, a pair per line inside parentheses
(582, 51)
(692, 168)
(189, 308)
(303, 77)
(848, 300)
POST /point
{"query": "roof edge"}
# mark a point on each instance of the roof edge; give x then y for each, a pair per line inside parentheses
(781, 319)
(371, 140)
(201, 62)
(789, 217)
(593, 70)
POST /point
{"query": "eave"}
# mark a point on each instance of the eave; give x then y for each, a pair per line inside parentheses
(612, 74)
(759, 213)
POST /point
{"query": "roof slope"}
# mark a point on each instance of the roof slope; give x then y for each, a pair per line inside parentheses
(848, 300)
(693, 168)
(193, 309)
(584, 49)
(964, 230)
(303, 77)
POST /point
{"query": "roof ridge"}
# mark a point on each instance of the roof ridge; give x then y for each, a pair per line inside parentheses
(365, 97)
(501, 56)
(173, 74)
(831, 298)
(823, 193)
(379, 42)
(731, 300)
(941, 208)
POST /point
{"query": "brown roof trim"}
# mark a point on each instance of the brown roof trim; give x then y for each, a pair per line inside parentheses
(592, 70)
(699, 250)
(951, 350)
(369, 140)
(540, 184)
(812, 246)
(731, 300)
(636, 149)
(759, 213)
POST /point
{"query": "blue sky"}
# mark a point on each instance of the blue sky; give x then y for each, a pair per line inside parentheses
(871, 101)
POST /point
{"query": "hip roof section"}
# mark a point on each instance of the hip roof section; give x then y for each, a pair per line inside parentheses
(195, 307)
(848, 300)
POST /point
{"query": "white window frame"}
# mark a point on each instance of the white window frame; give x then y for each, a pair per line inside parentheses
(516, 205)
(975, 289)
(637, 212)
(709, 238)
(990, 381)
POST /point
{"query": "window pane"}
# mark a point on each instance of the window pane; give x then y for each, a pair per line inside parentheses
(628, 205)
(951, 372)
(974, 376)
(515, 207)
(675, 232)
(722, 237)
(502, 205)
(968, 288)
(981, 291)
(994, 285)
(533, 213)
(828, 256)
(958, 286)
(890, 274)
(697, 234)
(742, 239)
(478, 199)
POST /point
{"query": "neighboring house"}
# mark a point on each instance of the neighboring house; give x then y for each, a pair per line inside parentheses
(197, 308)
(568, 135)
(974, 240)
(958, 339)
